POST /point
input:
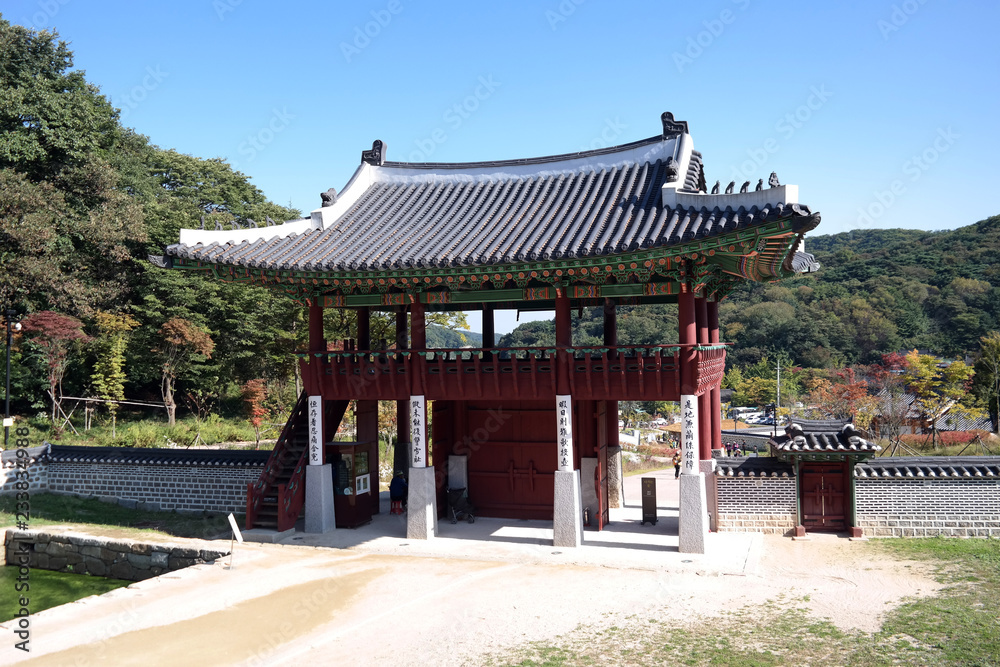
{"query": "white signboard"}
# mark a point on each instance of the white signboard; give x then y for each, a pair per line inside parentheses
(315, 430)
(564, 431)
(8, 421)
(236, 529)
(689, 435)
(418, 430)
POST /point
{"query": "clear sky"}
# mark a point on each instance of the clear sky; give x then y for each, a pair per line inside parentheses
(884, 112)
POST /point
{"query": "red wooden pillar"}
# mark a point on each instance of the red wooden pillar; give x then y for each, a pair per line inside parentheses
(418, 338)
(364, 328)
(704, 400)
(611, 341)
(564, 339)
(402, 420)
(687, 334)
(715, 396)
(489, 332)
(688, 337)
(317, 341)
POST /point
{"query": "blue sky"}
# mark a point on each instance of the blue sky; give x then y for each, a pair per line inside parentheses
(884, 112)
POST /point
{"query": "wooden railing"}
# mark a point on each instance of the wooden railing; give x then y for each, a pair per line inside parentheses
(619, 372)
(275, 462)
(292, 496)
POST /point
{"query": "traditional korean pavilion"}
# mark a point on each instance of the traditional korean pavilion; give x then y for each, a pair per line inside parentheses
(526, 430)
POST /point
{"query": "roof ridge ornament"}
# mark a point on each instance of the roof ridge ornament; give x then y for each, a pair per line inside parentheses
(330, 196)
(671, 127)
(375, 156)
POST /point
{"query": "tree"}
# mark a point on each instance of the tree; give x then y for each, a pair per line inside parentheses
(67, 217)
(847, 398)
(184, 345)
(56, 336)
(890, 391)
(109, 370)
(254, 397)
(987, 380)
(940, 387)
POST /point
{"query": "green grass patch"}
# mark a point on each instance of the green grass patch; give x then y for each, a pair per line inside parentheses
(49, 589)
(959, 626)
(48, 509)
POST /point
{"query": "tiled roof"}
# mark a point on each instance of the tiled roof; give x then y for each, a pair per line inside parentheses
(9, 457)
(923, 467)
(399, 216)
(753, 466)
(822, 436)
(155, 456)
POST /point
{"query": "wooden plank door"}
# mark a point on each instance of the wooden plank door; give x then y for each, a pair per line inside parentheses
(824, 497)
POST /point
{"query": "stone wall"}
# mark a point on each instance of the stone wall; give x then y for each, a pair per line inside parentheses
(755, 504)
(101, 556)
(163, 487)
(958, 507)
(152, 479)
(35, 465)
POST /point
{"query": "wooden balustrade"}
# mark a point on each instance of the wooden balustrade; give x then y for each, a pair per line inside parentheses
(621, 372)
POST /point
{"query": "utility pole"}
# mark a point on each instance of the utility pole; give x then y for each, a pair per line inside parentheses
(777, 401)
(11, 328)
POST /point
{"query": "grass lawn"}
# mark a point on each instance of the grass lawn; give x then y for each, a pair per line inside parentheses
(48, 509)
(49, 589)
(958, 626)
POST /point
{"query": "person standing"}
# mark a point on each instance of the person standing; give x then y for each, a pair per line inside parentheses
(677, 465)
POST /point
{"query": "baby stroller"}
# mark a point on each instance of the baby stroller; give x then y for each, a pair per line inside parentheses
(459, 506)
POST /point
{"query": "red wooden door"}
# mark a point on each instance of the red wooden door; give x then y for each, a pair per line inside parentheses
(824, 497)
(511, 460)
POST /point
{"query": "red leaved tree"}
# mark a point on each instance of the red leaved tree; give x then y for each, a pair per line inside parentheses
(184, 345)
(57, 336)
(254, 397)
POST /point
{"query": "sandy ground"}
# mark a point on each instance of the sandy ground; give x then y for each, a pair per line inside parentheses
(378, 602)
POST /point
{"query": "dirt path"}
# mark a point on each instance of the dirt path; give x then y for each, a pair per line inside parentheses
(299, 605)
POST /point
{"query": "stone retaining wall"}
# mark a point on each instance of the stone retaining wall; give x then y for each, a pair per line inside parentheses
(101, 556)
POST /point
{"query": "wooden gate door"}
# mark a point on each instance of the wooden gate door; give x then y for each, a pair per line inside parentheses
(601, 473)
(511, 461)
(824, 497)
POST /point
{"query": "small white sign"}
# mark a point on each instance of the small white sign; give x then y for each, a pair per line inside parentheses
(689, 435)
(236, 529)
(564, 432)
(315, 430)
(362, 484)
(418, 431)
(8, 421)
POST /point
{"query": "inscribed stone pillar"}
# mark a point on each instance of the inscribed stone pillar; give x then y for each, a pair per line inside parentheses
(567, 511)
(421, 517)
(319, 510)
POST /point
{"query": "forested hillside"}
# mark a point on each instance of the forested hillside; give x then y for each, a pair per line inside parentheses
(878, 291)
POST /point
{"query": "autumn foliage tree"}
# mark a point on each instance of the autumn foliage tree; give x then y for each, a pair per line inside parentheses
(939, 387)
(56, 336)
(254, 397)
(183, 346)
(845, 397)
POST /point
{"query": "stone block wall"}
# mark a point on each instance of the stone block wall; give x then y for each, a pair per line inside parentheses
(756, 504)
(101, 556)
(164, 487)
(36, 467)
(956, 507)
